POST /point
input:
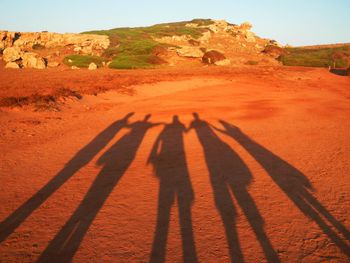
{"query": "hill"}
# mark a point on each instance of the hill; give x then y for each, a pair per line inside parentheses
(171, 44)
(183, 44)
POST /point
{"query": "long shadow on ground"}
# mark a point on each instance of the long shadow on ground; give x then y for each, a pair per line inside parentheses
(83, 157)
(294, 184)
(229, 174)
(115, 161)
(170, 166)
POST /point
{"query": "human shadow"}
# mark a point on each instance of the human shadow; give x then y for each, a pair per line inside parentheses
(81, 158)
(170, 166)
(293, 183)
(229, 174)
(115, 161)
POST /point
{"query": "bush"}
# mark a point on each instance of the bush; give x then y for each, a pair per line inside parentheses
(213, 56)
(322, 57)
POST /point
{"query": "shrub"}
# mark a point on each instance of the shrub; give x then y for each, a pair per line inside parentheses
(322, 57)
(212, 56)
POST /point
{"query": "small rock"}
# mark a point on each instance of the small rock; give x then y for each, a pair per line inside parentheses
(75, 67)
(53, 64)
(225, 62)
(12, 65)
(77, 49)
(92, 66)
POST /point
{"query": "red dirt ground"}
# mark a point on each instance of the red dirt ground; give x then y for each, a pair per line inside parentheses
(260, 172)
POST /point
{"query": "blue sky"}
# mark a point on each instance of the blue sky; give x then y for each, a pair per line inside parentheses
(297, 22)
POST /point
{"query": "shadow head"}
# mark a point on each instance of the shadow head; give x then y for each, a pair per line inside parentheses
(195, 115)
(147, 117)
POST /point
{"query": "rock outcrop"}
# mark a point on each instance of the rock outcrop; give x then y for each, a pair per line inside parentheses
(25, 41)
(22, 59)
(190, 52)
(237, 43)
(24, 47)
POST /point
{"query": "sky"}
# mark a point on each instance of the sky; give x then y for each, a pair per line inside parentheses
(294, 22)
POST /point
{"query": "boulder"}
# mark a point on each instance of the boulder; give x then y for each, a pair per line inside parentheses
(213, 57)
(11, 54)
(92, 66)
(13, 65)
(33, 60)
(191, 52)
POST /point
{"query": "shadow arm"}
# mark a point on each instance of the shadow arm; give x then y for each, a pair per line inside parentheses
(217, 129)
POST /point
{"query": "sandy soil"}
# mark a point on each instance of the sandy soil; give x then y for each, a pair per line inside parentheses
(211, 166)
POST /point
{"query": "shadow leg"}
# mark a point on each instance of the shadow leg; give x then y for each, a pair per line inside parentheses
(165, 202)
(188, 244)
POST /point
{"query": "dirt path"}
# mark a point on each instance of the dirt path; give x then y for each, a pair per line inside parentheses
(240, 167)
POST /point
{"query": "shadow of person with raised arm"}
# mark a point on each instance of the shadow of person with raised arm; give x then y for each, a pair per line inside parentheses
(170, 166)
(229, 174)
(293, 183)
(115, 161)
(81, 158)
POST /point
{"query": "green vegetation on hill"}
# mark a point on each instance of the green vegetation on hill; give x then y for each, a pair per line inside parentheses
(322, 57)
(82, 61)
(133, 47)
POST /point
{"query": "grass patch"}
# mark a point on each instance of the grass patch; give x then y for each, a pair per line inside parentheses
(82, 61)
(132, 47)
(134, 62)
(322, 57)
